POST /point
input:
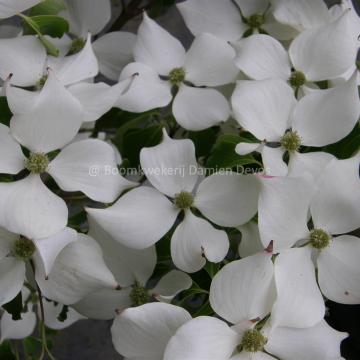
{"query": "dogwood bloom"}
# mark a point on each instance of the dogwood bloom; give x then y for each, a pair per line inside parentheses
(162, 63)
(311, 55)
(113, 49)
(251, 280)
(301, 14)
(144, 331)
(228, 199)
(334, 209)
(10, 8)
(269, 110)
(230, 20)
(42, 124)
(16, 250)
(78, 270)
(212, 339)
(20, 329)
(25, 59)
(132, 270)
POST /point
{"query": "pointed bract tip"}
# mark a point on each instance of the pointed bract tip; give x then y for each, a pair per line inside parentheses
(256, 320)
(270, 247)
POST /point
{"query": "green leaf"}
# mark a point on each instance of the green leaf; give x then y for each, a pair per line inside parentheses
(6, 352)
(14, 307)
(49, 46)
(160, 7)
(52, 25)
(32, 347)
(203, 141)
(135, 140)
(205, 310)
(211, 268)
(346, 147)
(223, 155)
(5, 113)
(48, 7)
(127, 121)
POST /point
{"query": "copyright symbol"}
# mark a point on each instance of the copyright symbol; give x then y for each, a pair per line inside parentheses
(94, 170)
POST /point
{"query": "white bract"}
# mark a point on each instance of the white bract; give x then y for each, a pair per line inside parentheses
(322, 53)
(132, 270)
(281, 176)
(269, 110)
(10, 8)
(17, 250)
(225, 199)
(161, 62)
(43, 123)
(231, 20)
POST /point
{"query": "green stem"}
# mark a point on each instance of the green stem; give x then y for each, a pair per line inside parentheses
(44, 350)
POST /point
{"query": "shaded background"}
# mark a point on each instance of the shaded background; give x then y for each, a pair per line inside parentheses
(91, 339)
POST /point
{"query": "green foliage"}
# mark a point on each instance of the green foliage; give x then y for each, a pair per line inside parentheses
(223, 153)
(126, 121)
(160, 7)
(32, 26)
(52, 25)
(14, 307)
(137, 139)
(346, 147)
(203, 141)
(32, 347)
(5, 113)
(47, 7)
(211, 268)
(6, 352)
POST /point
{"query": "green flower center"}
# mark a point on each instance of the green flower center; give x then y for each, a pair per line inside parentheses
(76, 46)
(253, 341)
(183, 200)
(291, 141)
(177, 76)
(319, 239)
(40, 84)
(139, 295)
(255, 21)
(297, 79)
(37, 163)
(23, 248)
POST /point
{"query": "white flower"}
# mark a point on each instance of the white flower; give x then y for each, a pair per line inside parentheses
(323, 53)
(228, 199)
(25, 59)
(301, 14)
(44, 124)
(78, 270)
(132, 270)
(22, 328)
(334, 209)
(113, 50)
(143, 332)
(15, 250)
(250, 242)
(230, 20)
(161, 62)
(243, 293)
(10, 8)
(212, 339)
(52, 311)
(269, 110)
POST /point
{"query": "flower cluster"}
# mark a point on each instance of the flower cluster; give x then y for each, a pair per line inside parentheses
(191, 265)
